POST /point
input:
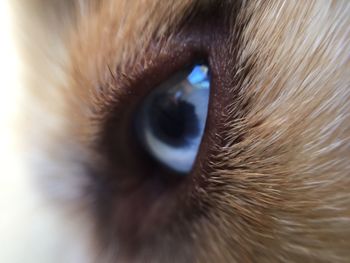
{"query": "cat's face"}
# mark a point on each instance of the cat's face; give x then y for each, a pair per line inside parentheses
(271, 179)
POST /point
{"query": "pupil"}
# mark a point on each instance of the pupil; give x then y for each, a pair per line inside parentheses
(174, 121)
(171, 121)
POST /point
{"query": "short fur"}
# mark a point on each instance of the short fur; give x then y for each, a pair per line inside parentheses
(273, 184)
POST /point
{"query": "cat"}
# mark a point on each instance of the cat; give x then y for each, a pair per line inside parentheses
(272, 176)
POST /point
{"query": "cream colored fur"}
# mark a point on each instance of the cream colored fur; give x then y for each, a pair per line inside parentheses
(281, 194)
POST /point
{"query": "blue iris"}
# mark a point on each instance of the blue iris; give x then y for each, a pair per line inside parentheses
(172, 119)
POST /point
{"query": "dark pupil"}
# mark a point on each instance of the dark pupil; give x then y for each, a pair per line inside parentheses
(172, 120)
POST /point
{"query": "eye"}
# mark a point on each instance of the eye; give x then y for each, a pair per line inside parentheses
(171, 120)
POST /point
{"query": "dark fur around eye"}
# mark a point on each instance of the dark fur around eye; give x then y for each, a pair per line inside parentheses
(139, 201)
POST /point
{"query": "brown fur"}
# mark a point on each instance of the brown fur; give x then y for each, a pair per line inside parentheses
(272, 182)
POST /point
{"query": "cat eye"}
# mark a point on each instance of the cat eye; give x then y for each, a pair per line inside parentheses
(171, 120)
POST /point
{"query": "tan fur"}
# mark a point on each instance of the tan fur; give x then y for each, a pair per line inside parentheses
(277, 185)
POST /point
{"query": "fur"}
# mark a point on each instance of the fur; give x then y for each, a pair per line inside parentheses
(272, 184)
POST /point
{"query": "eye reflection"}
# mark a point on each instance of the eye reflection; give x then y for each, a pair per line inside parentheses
(171, 120)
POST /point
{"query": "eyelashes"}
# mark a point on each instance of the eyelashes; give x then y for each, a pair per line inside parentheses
(171, 120)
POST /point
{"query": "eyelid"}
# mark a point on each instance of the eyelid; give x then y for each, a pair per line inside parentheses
(155, 68)
(161, 60)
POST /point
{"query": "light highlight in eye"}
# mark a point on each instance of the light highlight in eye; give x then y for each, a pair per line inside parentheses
(171, 120)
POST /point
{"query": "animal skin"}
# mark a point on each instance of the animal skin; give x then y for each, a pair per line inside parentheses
(272, 177)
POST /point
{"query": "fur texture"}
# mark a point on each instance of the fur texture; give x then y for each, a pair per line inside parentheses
(272, 183)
